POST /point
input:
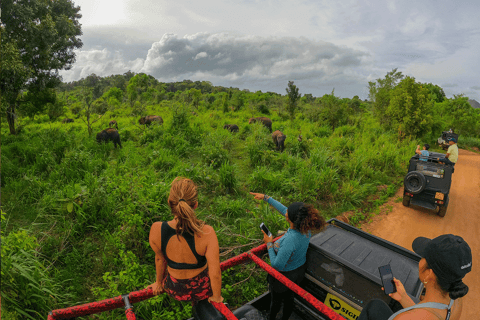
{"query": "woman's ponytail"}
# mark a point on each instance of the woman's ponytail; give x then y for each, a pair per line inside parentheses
(309, 218)
(182, 200)
(457, 290)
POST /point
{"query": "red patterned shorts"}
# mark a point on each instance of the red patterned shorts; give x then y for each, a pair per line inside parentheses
(193, 289)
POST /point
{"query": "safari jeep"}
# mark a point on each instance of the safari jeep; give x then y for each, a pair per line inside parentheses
(443, 140)
(427, 184)
(342, 272)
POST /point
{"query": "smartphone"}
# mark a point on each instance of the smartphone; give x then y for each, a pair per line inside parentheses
(265, 229)
(387, 279)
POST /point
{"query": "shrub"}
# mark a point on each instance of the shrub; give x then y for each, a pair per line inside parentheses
(227, 177)
(27, 286)
(213, 155)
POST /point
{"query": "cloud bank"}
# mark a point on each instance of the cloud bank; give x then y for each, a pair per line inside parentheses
(227, 59)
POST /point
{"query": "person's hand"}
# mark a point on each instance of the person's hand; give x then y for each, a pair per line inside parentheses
(157, 288)
(266, 238)
(418, 146)
(258, 196)
(401, 292)
(215, 299)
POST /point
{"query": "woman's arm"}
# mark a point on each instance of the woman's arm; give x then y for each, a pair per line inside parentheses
(401, 294)
(213, 260)
(277, 205)
(285, 252)
(160, 262)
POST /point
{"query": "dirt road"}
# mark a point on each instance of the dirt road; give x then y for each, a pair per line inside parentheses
(402, 225)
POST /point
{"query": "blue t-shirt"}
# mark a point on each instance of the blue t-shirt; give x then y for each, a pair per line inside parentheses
(424, 155)
(290, 251)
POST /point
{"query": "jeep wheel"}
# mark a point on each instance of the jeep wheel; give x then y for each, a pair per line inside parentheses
(415, 182)
(406, 201)
(443, 209)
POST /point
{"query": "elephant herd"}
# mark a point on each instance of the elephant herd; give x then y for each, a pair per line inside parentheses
(277, 136)
(111, 133)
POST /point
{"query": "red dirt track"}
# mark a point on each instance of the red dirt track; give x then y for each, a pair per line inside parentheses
(403, 224)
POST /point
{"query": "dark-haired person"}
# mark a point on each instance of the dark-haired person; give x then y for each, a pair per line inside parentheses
(423, 153)
(445, 261)
(288, 255)
(186, 250)
(452, 153)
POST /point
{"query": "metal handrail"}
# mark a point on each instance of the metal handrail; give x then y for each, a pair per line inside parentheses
(127, 300)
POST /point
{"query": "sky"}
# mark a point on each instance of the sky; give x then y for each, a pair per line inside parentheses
(261, 45)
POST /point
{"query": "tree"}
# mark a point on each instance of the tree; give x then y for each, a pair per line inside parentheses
(436, 93)
(333, 110)
(379, 92)
(293, 97)
(91, 91)
(38, 39)
(410, 108)
(462, 117)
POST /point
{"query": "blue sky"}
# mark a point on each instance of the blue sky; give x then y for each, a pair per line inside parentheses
(261, 45)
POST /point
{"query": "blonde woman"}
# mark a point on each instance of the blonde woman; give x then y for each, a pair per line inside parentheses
(186, 250)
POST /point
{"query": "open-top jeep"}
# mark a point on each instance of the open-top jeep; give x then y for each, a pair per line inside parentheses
(427, 183)
(443, 140)
(341, 277)
(342, 272)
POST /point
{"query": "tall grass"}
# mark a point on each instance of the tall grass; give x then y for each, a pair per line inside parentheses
(91, 206)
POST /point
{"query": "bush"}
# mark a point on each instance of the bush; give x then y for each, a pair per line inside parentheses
(227, 177)
(27, 286)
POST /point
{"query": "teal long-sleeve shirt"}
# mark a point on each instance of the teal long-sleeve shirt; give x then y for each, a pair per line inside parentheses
(290, 251)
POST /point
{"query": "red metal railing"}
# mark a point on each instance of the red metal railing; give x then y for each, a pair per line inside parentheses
(128, 300)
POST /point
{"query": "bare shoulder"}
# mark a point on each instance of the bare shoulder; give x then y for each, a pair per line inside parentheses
(156, 226)
(420, 314)
(208, 230)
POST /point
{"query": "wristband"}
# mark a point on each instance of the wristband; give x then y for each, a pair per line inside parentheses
(269, 245)
(265, 197)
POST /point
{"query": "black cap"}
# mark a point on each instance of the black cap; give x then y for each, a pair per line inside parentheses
(293, 210)
(449, 256)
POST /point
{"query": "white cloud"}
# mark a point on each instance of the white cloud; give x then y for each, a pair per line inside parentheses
(100, 62)
(250, 41)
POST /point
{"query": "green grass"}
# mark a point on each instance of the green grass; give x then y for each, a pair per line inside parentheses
(91, 206)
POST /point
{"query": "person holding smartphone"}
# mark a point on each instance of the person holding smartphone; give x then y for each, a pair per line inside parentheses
(445, 262)
(288, 255)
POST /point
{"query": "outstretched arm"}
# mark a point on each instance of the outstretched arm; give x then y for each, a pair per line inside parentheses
(276, 204)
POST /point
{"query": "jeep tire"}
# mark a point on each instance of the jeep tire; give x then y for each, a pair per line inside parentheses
(442, 211)
(406, 201)
(415, 182)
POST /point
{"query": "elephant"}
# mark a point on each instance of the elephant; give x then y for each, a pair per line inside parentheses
(279, 139)
(67, 120)
(149, 119)
(231, 127)
(266, 122)
(109, 134)
(112, 124)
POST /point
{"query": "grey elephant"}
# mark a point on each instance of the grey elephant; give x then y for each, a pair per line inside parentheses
(267, 122)
(231, 127)
(109, 134)
(150, 119)
(279, 140)
(113, 124)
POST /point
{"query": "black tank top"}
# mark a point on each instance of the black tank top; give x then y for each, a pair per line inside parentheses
(167, 233)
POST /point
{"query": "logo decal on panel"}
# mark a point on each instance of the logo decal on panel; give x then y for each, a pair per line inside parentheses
(341, 307)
